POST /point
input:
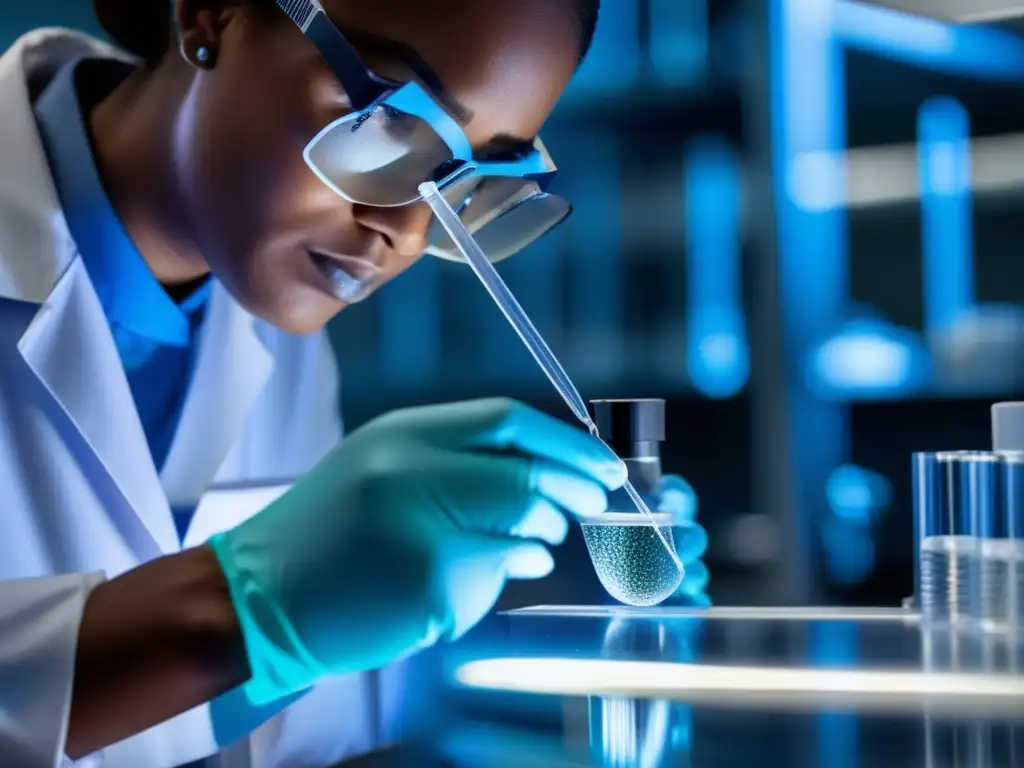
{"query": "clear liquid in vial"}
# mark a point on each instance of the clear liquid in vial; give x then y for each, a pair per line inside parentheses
(949, 578)
(630, 559)
(1002, 583)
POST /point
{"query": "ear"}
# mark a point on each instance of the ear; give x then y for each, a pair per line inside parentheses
(200, 25)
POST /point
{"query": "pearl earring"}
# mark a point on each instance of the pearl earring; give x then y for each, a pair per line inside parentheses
(202, 54)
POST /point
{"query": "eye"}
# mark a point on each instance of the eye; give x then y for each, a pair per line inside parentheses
(506, 156)
(400, 125)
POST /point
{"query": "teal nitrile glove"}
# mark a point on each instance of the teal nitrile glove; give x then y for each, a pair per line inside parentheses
(405, 535)
(677, 498)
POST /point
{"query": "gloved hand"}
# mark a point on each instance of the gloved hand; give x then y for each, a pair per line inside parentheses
(676, 497)
(405, 535)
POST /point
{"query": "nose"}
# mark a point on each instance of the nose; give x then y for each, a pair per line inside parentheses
(403, 229)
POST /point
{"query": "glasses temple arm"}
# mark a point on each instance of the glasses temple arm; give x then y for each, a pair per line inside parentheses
(360, 85)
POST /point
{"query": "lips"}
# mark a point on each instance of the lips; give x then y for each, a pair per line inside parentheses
(351, 279)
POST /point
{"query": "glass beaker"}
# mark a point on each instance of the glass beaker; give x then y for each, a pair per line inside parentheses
(955, 509)
(629, 557)
(1003, 553)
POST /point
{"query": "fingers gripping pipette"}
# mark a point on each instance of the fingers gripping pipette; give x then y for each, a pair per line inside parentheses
(503, 297)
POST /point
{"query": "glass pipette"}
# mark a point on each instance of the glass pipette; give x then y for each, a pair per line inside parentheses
(512, 310)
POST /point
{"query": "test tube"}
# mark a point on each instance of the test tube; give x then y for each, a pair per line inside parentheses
(1008, 561)
(998, 546)
(955, 502)
(927, 488)
(1006, 557)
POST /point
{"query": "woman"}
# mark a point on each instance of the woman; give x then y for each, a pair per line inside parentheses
(175, 231)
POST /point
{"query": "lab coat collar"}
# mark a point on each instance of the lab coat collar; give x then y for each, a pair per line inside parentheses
(130, 293)
(31, 221)
(68, 343)
(70, 348)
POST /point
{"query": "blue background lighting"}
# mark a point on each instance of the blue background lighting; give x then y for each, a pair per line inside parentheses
(944, 157)
(717, 353)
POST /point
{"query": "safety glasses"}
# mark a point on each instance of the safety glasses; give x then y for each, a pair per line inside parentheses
(398, 136)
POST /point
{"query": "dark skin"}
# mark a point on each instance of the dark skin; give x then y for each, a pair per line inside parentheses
(203, 163)
(177, 146)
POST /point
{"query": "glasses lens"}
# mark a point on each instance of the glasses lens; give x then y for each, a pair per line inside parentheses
(479, 200)
(379, 158)
(504, 231)
(460, 193)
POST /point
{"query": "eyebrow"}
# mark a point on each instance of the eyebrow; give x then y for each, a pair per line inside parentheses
(504, 144)
(395, 49)
(409, 56)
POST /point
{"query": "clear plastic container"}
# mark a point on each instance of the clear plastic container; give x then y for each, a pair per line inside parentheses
(630, 559)
(956, 507)
(629, 556)
(1002, 553)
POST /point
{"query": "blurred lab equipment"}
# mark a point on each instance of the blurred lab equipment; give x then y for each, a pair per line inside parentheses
(968, 547)
(665, 585)
(957, 501)
(1003, 552)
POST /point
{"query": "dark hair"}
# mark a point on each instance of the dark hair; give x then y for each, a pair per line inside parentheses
(143, 27)
(588, 12)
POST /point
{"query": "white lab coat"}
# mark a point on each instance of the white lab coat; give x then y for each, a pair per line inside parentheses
(79, 495)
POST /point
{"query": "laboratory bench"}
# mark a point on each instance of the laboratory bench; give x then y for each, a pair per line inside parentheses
(619, 687)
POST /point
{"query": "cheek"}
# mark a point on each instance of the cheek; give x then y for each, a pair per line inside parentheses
(253, 204)
(234, 159)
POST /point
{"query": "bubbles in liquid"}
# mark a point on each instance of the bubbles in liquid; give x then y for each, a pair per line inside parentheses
(630, 559)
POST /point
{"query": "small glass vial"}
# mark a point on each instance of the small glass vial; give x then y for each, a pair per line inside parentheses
(956, 503)
(629, 557)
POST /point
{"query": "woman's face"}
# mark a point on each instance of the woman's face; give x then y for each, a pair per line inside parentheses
(259, 213)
